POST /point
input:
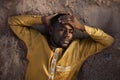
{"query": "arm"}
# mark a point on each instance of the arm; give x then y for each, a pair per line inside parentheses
(24, 20)
(99, 40)
(20, 25)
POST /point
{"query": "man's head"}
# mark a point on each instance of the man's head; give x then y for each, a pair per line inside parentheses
(61, 34)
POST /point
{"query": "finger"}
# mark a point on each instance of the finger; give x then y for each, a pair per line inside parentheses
(69, 13)
(68, 19)
(54, 14)
(63, 22)
(51, 16)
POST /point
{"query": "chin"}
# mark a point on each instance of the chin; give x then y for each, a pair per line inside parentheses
(64, 45)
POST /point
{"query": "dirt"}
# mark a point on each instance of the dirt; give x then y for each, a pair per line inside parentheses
(104, 14)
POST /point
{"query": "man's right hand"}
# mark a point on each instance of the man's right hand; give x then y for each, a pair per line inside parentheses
(46, 19)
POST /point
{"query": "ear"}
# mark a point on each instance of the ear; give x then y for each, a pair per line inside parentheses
(50, 30)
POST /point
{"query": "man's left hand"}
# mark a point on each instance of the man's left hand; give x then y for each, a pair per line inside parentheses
(70, 19)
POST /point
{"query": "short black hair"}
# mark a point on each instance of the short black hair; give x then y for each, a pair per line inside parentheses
(55, 18)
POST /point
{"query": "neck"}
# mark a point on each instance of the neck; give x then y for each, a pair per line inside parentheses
(53, 44)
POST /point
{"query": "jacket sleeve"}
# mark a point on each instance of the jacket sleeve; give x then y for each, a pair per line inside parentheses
(20, 25)
(99, 40)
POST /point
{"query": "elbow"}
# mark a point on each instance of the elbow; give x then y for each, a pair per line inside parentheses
(9, 20)
(110, 41)
(13, 21)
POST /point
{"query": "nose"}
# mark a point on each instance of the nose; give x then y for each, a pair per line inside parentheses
(67, 33)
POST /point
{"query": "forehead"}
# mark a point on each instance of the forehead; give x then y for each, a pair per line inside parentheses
(67, 26)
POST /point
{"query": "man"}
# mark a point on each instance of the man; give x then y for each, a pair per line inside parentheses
(57, 57)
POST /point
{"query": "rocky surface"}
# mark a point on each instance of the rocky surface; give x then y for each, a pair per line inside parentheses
(104, 14)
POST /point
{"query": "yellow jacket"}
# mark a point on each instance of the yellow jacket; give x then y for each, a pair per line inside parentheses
(39, 53)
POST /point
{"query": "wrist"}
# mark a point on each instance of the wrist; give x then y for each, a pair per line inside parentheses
(82, 28)
(43, 20)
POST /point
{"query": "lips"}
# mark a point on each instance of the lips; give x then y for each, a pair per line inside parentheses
(66, 41)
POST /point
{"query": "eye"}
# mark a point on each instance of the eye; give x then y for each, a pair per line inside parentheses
(70, 31)
(62, 29)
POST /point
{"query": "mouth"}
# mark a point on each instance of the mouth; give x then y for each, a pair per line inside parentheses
(66, 41)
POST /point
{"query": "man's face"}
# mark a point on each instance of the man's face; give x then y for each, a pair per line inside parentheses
(62, 35)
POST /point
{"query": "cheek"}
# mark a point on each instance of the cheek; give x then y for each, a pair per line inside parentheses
(57, 36)
(71, 36)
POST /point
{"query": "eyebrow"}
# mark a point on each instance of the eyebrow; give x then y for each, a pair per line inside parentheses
(69, 25)
(63, 26)
(66, 28)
